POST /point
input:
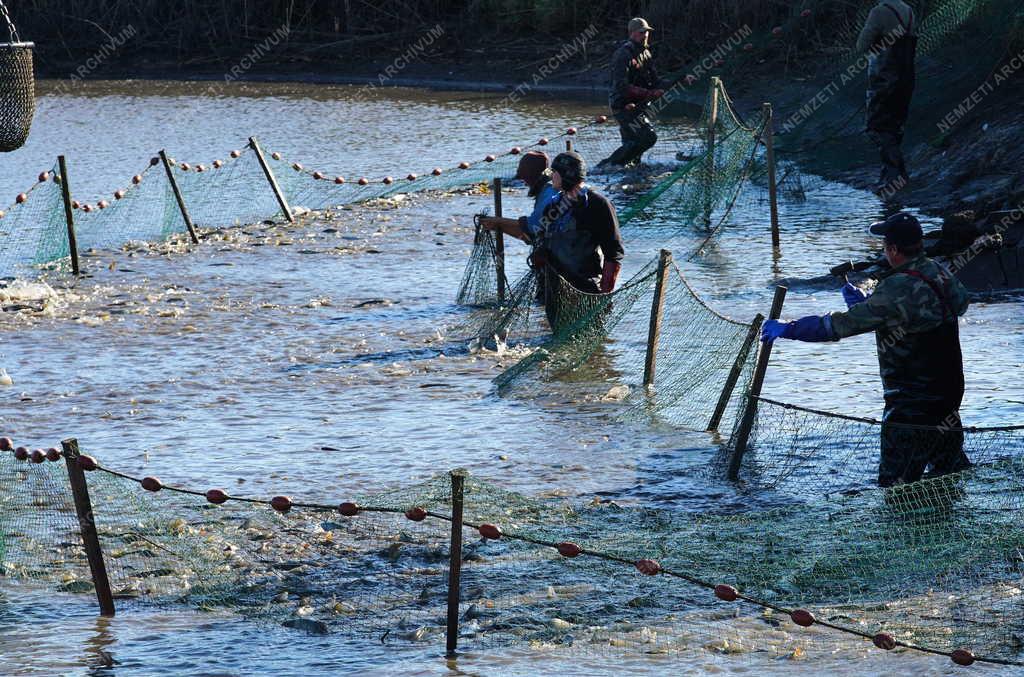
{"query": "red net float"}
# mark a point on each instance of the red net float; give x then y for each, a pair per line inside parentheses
(87, 463)
(962, 657)
(806, 13)
(570, 131)
(38, 455)
(436, 171)
(217, 164)
(348, 509)
(216, 496)
(200, 168)
(56, 179)
(726, 593)
(22, 197)
(387, 180)
(53, 454)
(281, 503)
(6, 444)
(463, 165)
(802, 617)
(275, 155)
(777, 30)
(630, 106)
(489, 158)
(601, 119)
(885, 641)
(75, 204)
(21, 453)
(137, 179)
(648, 567)
(118, 194)
(43, 177)
(516, 150)
(568, 549)
(410, 177)
(416, 514)
(542, 142)
(296, 166)
(185, 166)
(102, 204)
(339, 180)
(151, 484)
(86, 208)
(236, 153)
(747, 47)
(490, 531)
(154, 161)
(319, 176)
(364, 181)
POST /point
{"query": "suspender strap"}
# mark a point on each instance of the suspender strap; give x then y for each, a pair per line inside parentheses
(947, 312)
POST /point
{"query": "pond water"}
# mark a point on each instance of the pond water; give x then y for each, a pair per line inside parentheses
(307, 360)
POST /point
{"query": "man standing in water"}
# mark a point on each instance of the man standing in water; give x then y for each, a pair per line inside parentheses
(889, 34)
(913, 313)
(634, 85)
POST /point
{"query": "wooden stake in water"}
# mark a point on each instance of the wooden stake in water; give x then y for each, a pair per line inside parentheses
(734, 373)
(716, 84)
(657, 309)
(568, 145)
(499, 242)
(272, 180)
(69, 213)
(87, 525)
(177, 196)
(773, 199)
(455, 563)
(750, 412)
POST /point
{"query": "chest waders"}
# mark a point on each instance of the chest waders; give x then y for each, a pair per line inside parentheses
(891, 82)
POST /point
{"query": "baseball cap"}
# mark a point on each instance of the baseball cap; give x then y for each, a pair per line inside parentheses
(900, 229)
(638, 24)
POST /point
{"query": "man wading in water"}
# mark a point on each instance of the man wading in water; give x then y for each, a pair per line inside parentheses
(913, 313)
(634, 85)
(890, 36)
(577, 238)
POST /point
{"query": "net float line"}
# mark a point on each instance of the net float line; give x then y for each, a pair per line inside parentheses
(23, 197)
(491, 531)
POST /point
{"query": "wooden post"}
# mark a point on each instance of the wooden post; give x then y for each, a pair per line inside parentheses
(750, 411)
(734, 373)
(568, 145)
(657, 308)
(69, 214)
(773, 198)
(712, 124)
(499, 243)
(177, 196)
(87, 524)
(281, 200)
(455, 564)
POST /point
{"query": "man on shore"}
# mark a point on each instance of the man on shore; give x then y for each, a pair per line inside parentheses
(913, 312)
(634, 85)
(890, 36)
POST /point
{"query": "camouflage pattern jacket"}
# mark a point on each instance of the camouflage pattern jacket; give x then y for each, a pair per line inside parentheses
(632, 66)
(913, 313)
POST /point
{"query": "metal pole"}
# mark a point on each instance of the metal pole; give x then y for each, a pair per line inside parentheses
(87, 523)
(455, 564)
(734, 373)
(69, 214)
(750, 412)
(657, 309)
(773, 198)
(281, 200)
(499, 242)
(177, 196)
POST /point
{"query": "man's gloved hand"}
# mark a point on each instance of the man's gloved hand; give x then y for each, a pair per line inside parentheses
(853, 295)
(487, 223)
(609, 275)
(771, 330)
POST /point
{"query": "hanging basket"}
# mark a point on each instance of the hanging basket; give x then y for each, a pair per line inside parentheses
(17, 89)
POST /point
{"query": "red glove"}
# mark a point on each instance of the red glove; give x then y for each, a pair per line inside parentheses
(657, 93)
(609, 275)
(634, 93)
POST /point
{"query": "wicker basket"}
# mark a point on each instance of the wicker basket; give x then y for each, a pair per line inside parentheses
(17, 94)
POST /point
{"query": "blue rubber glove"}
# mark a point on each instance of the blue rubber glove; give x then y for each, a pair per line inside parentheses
(813, 329)
(853, 295)
(771, 330)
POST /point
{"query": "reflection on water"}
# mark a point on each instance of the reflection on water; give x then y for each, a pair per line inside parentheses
(317, 364)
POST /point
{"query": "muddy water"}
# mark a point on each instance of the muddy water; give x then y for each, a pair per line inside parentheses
(312, 360)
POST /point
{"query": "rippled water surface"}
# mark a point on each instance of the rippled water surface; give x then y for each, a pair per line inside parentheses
(312, 360)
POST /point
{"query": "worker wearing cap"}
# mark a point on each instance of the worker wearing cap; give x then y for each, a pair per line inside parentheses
(913, 312)
(634, 85)
(890, 37)
(533, 171)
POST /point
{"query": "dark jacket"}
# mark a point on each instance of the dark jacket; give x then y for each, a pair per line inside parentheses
(633, 75)
(580, 236)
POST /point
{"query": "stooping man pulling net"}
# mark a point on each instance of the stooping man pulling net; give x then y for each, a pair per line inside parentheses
(576, 237)
(913, 312)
